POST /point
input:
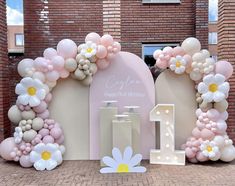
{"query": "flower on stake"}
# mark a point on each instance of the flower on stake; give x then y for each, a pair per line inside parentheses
(122, 164)
(46, 156)
(213, 88)
(30, 91)
(178, 64)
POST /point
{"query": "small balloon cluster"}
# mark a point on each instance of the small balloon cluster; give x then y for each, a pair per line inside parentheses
(38, 139)
(209, 139)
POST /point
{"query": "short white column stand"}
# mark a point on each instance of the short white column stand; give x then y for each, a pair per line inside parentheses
(165, 113)
(107, 114)
(134, 116)
(122, 132)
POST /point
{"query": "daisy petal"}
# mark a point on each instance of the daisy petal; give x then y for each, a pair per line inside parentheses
(109, 161)
(39, 148)
(138, 169)
(34, 101)
(127, 154)
(172, 67)
(218, 96)
(41, 94)
(27, 82)
(202, 88)
(40, 165)
(23, 99)
(51, 147)
(20, 89)
(208, 97)
(224, 87)
(57, 157)
(117, 155)
(135, 160)
(51, 164)
(219, 79)
(34, 156)
(107, 170)
(208, 79)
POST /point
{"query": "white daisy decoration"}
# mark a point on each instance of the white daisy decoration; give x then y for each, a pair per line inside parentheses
(46, 156)
(213, 88)
(178, 64)
(122, 164)
(88, 49)
(30, 91)
(209, 149)
(18, 135)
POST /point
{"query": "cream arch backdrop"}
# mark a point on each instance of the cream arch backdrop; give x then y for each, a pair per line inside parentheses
(38, 140)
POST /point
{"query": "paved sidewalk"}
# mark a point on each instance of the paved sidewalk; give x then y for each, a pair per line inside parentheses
(87, 173)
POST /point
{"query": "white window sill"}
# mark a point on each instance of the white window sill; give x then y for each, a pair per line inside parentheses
(161, 1)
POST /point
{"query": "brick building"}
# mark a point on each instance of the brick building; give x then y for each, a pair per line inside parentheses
(139, 26)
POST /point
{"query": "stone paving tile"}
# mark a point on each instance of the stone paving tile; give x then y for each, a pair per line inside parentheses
(86, 173)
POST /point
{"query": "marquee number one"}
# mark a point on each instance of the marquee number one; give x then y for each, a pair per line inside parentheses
(165, 113)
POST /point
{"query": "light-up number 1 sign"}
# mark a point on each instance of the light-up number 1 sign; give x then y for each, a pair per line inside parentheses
(165, 113)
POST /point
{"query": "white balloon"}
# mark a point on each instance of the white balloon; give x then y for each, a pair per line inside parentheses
(206, 53)
(191, 45)
(49, 53)
(195, 76)
(39, 75)
(217, 157)
(25, 66)
(199, 57)
(219, 140)
(228, 153)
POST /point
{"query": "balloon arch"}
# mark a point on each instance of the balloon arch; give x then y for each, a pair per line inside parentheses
(38, 140)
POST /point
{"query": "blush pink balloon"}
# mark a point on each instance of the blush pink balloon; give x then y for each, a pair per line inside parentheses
(106, 40)
(25, 161)
(188, 58)
(225, 68)
(6, 147)
(41, 107)
(67, 48)
(60, 140)
(56, 132)
(162, 64)
(168, 50)
(44, 132)
(94, 37)
(58, 62)
(196, 133)
(41, 64)
(101, 52)
(64, 73)
(49, 53)
(102, 64)
(156, 54)
(207, 134)
(224, 115)
(44, 115)
(52, 76)
(48, 98)
(213, 114)
(178, 51)
(200, 157)
(48, 139)
(189, 153)
(117, 45)
(221, 126)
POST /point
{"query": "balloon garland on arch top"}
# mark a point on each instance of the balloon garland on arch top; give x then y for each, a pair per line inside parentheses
(209, 140)
(38, 140)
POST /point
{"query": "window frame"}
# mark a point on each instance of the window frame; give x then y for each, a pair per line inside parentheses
(19, 34)
(161, 1)
(212, 39)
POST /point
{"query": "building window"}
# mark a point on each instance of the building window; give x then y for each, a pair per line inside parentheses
(212, 38)
(19, 39)
(160, 1)
(214, 57)
(213, 11)
(148, 50)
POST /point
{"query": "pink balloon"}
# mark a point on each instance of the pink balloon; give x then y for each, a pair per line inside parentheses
(162, 64)
(67, 48)
(49, 53)
(101, 52)
(60, 140)
(41, 64)
(44, 132)
(221, 126)
(207, 134)
(44, 115)
(225, 68)
(224, 115)
(156, 54)
(188, 58)
(56, 132)
(200, 157)
(189, 153)
(178, 51)
(102, 63)
(48, 139)
(213, 114)
(58, 62)
(64, 73)
(25, 161)
(94, 37)
(196, 133)
(117, 46)
(193, 160)
(106, 40)
(168, 50)
(48, 98)
(41, 107)
(6, 147)
(52, 76)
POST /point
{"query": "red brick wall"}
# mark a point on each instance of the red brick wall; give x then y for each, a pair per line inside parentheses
(5, 126)
(162, 23)
(226, 51)
(49, 21)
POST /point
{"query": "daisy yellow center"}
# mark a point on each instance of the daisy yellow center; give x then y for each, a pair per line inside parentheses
(213, 87)
(122, 168)
(46, 155)
(89, 50)
(178, 64)
(31, 91)
(209, 148)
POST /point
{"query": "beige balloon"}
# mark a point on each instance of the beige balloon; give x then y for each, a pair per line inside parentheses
(191, 45)
(28, 114)
(79, 74)
(221, 106)
(37, 124)
(87, 81)
(14, 114)
(71, 64)
(29, 135)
